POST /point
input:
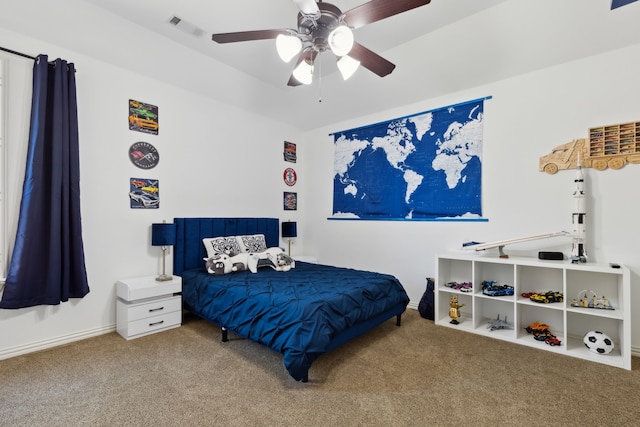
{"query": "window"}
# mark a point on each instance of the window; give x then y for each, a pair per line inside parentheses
(15, 105)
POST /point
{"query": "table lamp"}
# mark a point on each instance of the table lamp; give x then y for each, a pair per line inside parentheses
(289, 230)
(163, 235)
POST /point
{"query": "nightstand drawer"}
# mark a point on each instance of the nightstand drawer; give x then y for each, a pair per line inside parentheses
(145, 287)
(154, 324)
(152, 308)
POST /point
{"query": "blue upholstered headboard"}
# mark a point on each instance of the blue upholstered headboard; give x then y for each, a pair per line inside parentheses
(189, 251)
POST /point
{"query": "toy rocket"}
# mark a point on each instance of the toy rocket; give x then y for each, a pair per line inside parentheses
(579, 218)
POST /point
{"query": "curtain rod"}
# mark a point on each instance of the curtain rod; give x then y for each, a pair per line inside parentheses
(24, 55)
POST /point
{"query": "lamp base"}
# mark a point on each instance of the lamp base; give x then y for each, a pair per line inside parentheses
(164, 278)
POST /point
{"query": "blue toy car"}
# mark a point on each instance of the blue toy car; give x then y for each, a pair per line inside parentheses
(492, 289)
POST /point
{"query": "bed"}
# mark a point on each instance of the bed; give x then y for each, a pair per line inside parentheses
(301, 313)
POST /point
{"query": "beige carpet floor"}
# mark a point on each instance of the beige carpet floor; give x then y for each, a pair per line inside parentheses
(418, 374)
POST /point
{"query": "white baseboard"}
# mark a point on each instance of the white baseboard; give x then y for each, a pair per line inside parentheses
(43, 345)
(54, 342)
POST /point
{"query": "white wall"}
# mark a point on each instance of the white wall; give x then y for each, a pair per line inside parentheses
(214, 161)
(525, 119)
(203, 142)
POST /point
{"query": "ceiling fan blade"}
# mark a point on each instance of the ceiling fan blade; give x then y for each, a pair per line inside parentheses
(376, 10)
(371, 60)
(308, 7)
(245, 36)
(293, 82)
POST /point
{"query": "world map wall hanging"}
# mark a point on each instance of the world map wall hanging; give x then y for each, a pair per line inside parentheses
(426, 166)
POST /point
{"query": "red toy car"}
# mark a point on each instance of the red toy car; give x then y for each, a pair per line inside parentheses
(552, 340)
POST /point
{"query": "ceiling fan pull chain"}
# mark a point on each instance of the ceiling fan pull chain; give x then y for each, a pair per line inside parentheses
(319, 80)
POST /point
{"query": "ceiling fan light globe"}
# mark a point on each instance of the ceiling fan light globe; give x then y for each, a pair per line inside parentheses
(347, 66)
(288, 46)
(308, 7)
(341, 40)
(304, 73)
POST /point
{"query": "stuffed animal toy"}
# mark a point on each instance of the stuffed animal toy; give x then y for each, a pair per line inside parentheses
(272, 257)
(218, 264)
(225, 264)
(283, 262)
(239, 262)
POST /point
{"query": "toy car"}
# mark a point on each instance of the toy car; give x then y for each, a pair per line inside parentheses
(537, 327)
(492, 289)
(542, 335)
(552, 340)
(462, 287)
(547, 297)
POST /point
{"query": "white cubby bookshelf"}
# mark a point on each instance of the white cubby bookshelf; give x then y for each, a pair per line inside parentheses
(566, 322)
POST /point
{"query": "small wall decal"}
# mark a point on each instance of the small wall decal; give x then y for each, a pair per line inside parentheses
(144, 155)
(290, 177)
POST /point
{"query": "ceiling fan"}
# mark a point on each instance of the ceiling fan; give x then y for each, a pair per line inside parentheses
(323, 26)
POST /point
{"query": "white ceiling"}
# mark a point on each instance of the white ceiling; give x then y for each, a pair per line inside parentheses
(258, 58)
(440, 48)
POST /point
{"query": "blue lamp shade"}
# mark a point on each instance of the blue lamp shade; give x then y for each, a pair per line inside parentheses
(289, 229)
(163, 234)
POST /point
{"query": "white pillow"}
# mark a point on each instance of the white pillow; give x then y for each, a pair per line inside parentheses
(221, 245)
(252, 243)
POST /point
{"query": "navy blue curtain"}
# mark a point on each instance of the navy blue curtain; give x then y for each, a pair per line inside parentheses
(47, 265)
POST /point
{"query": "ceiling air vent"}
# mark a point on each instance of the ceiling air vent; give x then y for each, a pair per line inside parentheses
(185, 26)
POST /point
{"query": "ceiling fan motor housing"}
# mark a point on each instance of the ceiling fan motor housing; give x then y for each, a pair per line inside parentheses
(315, 29)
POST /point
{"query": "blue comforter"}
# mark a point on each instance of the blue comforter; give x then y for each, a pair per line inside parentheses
(301, 313)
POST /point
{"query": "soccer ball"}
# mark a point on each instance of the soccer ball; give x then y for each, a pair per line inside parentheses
(598, 342)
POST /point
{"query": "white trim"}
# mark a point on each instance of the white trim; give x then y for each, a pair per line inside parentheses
(55, 342)
(46, 344)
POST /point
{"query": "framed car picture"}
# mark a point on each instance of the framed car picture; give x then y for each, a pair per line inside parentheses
(290, 154)
(144, 193)
(290, 201)
(143, 117)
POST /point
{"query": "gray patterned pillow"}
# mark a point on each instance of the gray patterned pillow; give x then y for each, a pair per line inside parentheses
(252, 243)
(221, 245)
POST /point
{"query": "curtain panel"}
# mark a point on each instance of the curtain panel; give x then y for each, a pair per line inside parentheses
(48, 265)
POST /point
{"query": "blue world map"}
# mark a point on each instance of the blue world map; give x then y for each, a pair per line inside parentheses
(426, 166)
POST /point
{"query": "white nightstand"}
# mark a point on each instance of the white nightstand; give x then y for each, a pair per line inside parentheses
(146, 306)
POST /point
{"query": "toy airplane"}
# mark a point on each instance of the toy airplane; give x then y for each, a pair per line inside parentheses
(499, 324)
